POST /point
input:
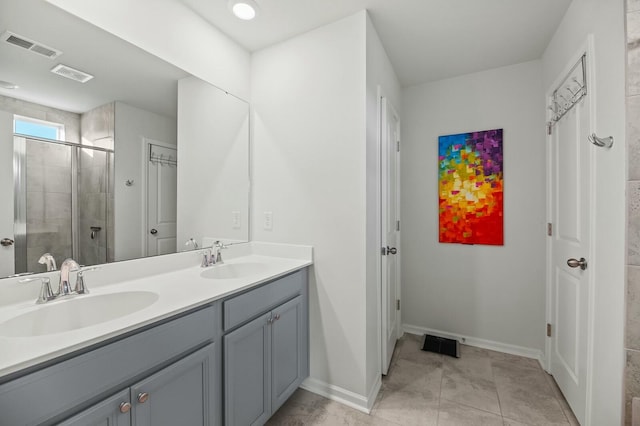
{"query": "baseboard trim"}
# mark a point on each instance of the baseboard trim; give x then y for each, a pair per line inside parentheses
(480, 343)
(343, 396)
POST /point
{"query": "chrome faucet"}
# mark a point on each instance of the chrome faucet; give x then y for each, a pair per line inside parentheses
(64, 287)
(217, 248)
(49, 260)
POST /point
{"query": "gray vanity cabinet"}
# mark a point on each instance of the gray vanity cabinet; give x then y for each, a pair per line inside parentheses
(179, 394)
(247, 373)
(265, 359)
(176, 395)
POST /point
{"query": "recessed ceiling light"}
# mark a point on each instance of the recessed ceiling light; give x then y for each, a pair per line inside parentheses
(244, 9)
(8, 85)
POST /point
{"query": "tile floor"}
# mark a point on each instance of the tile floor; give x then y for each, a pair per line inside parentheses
(481, 387)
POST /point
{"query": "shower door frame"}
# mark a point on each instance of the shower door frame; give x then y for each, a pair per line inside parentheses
(20, 194)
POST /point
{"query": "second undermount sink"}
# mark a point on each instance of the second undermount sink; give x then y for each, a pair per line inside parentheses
(75, 313)
(228, 271)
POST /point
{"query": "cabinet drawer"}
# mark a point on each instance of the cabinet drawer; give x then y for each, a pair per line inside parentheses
(242, 308)
(49, 393)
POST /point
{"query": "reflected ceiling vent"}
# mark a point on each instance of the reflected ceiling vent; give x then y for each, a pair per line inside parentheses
(71, 73)
(33, 46)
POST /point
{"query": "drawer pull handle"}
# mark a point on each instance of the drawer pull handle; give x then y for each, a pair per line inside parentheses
(142, 397)
(125, 407)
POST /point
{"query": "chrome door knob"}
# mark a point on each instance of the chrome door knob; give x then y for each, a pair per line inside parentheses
(143, 397)
(125, 407)
(6, 242)
(574, 263)
(391, 250)
(153, 231)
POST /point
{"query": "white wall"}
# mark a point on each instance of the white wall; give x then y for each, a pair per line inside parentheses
(131, 126)
(605, 20)
(7, 266)
(213, 130)
(380, 73)
(171, 31)
(308, 95)
(493, 293)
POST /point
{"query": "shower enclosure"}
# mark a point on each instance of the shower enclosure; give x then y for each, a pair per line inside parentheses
(63, 202)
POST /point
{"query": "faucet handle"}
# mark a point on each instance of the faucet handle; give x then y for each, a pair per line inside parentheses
(46, 293)
(80, 286)
(207, 258)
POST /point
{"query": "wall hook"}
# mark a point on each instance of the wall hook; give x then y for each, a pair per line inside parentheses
(128, 182)
(601, 142)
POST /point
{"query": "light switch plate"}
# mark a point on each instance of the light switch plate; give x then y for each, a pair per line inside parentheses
(268, 221)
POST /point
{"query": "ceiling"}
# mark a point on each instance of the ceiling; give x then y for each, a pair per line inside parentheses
(122, 71)
(426, 40)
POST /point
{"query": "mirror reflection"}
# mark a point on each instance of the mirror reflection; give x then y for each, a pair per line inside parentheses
(109, 153)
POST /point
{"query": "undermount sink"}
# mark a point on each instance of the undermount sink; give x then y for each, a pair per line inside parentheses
(233, 270)
(74, 313)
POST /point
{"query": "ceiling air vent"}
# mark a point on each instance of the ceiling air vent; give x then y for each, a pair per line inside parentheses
(71, 73)
(33, 46)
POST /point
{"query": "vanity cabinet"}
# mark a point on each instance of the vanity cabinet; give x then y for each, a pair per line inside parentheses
(176, 395)
(267, 357)
(176, 362)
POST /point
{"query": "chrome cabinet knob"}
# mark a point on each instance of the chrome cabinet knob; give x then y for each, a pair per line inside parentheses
(276, 317)
(6, 242)
(125, 407)
(574, 263)
(143, 397)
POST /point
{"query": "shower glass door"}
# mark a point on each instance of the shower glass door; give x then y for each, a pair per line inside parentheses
(63, 203)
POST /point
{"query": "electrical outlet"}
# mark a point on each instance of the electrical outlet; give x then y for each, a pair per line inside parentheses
(235, 220)
(268, 221)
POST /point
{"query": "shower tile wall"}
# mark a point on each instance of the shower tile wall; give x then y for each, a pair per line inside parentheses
(70, 120)
(632, 343)
(48, 176)
(95, 186)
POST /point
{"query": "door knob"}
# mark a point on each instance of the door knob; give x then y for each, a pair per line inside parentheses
(391, 250)
(153, 231)
(574, 263)
(6, 242)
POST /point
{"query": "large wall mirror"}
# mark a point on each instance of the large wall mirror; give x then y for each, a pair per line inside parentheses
(135, 161)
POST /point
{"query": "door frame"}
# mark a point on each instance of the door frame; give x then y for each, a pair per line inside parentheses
(587, 48)
(380, 181)
(146, 144)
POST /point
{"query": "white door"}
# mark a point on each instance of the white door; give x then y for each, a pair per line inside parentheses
(7, 261)
(390, 219)
(570, 158)
(161, 200)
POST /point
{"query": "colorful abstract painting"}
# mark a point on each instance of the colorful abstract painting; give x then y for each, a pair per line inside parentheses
(470, 184)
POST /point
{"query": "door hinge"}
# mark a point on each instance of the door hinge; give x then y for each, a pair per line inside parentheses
(398, 146)
(549, 128)
(397, 304)
(397, 225)
(549, 229)
(383, 251)
(548, 330)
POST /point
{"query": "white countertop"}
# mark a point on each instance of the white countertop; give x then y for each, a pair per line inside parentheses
(178, 290)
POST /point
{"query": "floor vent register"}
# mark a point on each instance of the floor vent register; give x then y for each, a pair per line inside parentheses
(441, 345)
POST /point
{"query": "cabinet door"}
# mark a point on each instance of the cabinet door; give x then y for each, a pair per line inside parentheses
(181, 394)
(287, 349)
(247, 391)
(105, 413)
